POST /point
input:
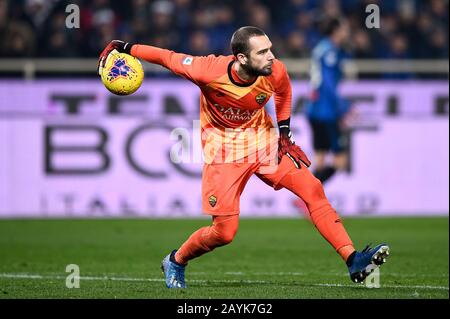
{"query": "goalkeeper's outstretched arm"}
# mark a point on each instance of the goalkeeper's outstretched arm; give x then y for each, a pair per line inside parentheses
(193, 68)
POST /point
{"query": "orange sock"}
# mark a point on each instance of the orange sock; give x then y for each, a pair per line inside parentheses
(303, 183)
(220, 233)
(329, 224)
(346, 251)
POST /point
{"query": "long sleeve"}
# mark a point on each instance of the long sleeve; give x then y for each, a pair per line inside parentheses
(193, 68)
(283, 95)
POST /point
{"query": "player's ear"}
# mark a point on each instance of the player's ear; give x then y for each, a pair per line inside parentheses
(242, 58)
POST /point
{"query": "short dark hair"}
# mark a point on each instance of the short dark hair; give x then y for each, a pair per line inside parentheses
(329, 25)
(239, 40)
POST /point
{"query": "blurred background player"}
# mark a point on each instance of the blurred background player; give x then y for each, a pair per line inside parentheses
(234, 91)
(326, 109)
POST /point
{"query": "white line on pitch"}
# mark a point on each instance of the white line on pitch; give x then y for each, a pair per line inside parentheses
(105, 278)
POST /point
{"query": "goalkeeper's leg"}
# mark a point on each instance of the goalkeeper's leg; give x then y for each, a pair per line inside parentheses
(222, 186)
(303, 183)
(220, 233)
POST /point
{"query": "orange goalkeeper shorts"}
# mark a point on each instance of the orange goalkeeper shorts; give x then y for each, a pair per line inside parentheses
(223, 184)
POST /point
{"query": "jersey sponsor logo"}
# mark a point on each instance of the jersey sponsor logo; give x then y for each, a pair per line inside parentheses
(260, 98)
(236, 114)
(212, 200)
(188, 60)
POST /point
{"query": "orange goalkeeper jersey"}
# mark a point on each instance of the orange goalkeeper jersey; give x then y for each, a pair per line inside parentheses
(235, 126)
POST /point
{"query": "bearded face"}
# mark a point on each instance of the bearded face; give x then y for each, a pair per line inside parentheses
(260, 58)
(253, 69)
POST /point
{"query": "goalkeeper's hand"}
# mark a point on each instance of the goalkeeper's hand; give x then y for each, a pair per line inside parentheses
(118, 45)
(287, 146)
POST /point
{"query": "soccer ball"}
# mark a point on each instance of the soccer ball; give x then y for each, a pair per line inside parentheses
(123, 74)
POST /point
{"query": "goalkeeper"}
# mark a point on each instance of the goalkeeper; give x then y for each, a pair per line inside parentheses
(238, 141)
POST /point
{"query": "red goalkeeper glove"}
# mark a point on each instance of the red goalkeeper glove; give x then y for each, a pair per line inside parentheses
(286, 146)
(120, 46)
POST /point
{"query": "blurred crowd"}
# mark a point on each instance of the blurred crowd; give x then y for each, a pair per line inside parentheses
(37, 28)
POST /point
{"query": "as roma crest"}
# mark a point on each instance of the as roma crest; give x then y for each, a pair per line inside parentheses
(212, 200)
(261, 97)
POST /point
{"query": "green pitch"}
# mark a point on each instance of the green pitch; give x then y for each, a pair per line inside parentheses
(269, 258)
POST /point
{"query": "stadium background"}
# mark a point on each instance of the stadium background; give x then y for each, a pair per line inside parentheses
(68, 148)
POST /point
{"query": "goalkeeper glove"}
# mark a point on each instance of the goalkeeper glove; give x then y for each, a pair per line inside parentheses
(286, 146)
(119, 46)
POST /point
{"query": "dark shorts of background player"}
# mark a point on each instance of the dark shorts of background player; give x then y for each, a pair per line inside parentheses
(327, 136)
